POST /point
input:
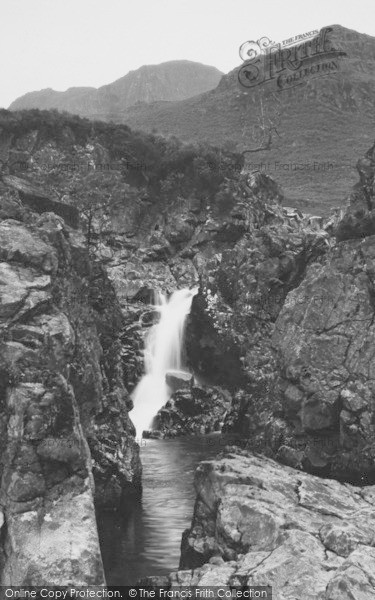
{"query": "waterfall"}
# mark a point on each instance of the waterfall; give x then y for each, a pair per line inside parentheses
(163, 350)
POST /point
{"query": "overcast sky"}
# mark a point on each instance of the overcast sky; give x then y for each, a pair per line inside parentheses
(65, 43)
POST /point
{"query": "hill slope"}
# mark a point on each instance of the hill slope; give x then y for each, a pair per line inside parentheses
(323, 125)
(327, 120)
(173, 80)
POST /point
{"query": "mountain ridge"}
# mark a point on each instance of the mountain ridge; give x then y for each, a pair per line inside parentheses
(319, 127)
(176, 80)
(325, 121)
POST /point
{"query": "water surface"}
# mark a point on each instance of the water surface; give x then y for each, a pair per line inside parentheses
(147, 541)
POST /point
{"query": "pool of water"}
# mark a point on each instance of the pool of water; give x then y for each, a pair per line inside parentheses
(146, 541)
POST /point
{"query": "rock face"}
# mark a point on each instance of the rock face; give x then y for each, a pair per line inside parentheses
(258, 523)
(244, 284)
(324, 336)
(41, 202)
(65, 436)
(324, 340)
(173, 80)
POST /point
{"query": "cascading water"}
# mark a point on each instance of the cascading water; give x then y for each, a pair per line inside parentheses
(163, 350)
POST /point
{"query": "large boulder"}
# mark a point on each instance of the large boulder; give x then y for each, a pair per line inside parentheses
(257, 523)
(47, 490)
(193, 409)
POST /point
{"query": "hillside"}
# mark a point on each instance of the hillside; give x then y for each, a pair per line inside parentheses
(322, 124)
(173, 80)
(327, 120)
(68, 158)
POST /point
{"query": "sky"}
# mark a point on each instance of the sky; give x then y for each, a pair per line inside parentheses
(64, 43)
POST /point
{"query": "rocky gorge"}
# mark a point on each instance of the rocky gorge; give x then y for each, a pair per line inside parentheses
(279, 341)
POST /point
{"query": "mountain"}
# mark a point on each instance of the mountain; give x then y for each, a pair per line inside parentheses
(323, 124)
(174, 80)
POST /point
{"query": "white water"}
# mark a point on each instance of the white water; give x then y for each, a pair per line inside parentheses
(163, 349)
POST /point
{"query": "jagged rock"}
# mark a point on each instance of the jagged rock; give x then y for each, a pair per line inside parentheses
(193, 409)
(306, 537)
(39, 200)
(244, 285)
(324, 339)
(10, 208)
(184, 272)
(20, 245)
(61, 394)
(180, 229)
(134, 275)
(22, 290)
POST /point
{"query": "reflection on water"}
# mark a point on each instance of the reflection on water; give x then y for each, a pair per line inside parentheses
(147, 541)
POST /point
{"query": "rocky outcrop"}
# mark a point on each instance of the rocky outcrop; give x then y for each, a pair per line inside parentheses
(244, 286)
(40, 201)
(323, 336)
(193, 409)
(65, 437)
(243, 289)
(258, 523)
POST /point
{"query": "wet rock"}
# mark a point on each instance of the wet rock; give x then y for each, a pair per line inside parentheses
(193, 409)
(134, 275)
(179, 380)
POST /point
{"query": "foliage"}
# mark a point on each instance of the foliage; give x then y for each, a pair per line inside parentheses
(64, 151)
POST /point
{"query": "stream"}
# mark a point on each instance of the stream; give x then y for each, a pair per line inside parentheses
(147, 541)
